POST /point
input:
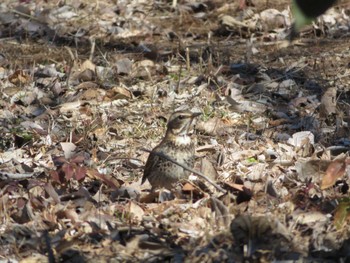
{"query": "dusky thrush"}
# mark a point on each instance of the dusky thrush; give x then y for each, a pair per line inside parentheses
(177, 144)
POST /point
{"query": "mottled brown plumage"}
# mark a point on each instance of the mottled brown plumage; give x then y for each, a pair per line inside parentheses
(178, 145)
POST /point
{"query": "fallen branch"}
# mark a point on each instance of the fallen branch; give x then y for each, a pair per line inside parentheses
(12, 176)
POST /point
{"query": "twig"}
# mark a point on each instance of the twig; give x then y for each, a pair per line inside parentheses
(71, 66)
(24, 15)
(174, 3)
(179, 80)
(92, 49)
(188, 60)
(15, 176)
(50, 254)
(160, 154)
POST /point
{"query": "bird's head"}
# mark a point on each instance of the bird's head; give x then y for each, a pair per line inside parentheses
(179, 123)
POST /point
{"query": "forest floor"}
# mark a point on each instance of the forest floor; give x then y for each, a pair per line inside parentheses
(86, 86)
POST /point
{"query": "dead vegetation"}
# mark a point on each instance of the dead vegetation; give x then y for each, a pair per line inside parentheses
(86, 85)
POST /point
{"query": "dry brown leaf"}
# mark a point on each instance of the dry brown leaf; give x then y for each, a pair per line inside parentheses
(19, 77)
(104, 120)
(212, 126)
(93, 94)
(342, 213)
(335, 170)
(239, 187)
(311, 169)
(272, 19)
(208, 169)
(68, 149)
(71, 214)
(107, 179)
(149, 197)
(136, 211)
(119, 92)
(87, 75)
(35, 258)
(87, 85)
(52, 192)
(188, 187)
(329, 102)
(124, 66)
(87, 64)
(70, 106)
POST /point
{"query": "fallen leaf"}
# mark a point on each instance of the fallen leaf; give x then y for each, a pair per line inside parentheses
(334, 171)
(136, 211)
(188, 187)
(342, 213)
(124, 66)
(68, 149)
(19, 77)
(239, 187)
(208, 169)
(329, 102)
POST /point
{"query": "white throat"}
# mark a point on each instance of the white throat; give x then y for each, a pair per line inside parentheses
(182, 140)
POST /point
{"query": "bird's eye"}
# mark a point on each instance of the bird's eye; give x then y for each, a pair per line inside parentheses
(181, 117)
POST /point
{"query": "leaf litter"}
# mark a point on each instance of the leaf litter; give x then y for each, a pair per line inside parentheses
(87, 85)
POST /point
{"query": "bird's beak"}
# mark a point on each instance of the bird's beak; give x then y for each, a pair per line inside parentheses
(195, 114)
(192, 124)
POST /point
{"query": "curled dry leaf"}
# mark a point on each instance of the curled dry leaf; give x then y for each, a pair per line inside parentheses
(136, 211)
(107, 179)
(70, 214)
(87, 85)
(215, 126)
(87, 64)
(234, 186)
(329, 102)
(233, 23)
(24, 97)
(221, 212)
(272, 19)
(68, 149)
(126, 192)
(70, 106)
(189, 187)
(12, 154)
(93, 94)
(335, 170)
(87, 75)
(124, 66)
(311, 169)
(52, 192)
(208, 169)
(56, 91)
(19, 77)
(342, 213)
(72, 170)
(119, 92)
(299, 139)
(310, 218)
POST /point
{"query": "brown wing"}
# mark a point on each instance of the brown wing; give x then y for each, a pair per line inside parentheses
(152, 161)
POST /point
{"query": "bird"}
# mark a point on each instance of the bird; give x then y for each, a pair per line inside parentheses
(305, 11)
(178, 144)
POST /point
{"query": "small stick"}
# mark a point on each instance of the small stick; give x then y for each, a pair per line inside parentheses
(50, 253)
(15, 176)
(160, 154)
(188, 61)
(92, 49)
